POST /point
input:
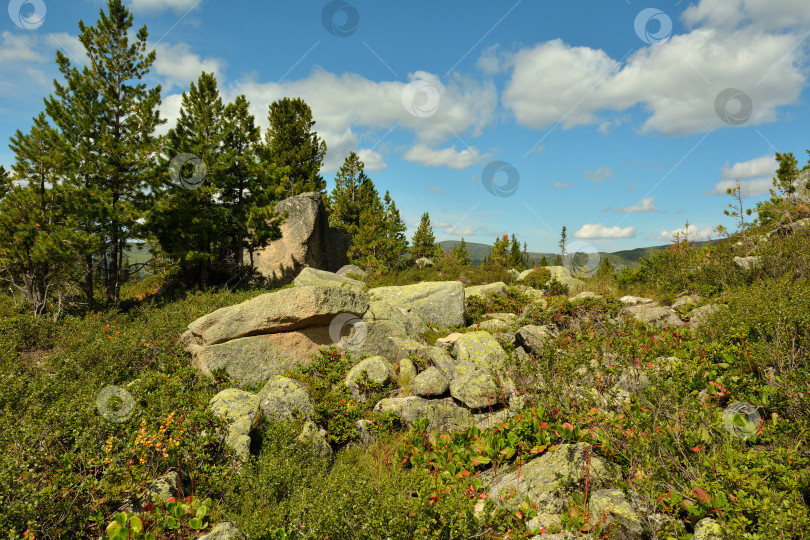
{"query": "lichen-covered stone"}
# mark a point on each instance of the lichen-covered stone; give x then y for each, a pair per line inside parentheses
(437, 302)
(548, 479)
(499, 288)
(381, 325)
(612, 508)
(376, 368)
(227, 530)
(658, 316)
(707, 529)
(635, 300)
(492, 325)
(442, 414)
(430, 383)
(283, 399)
(312, 435)
(698, 316)
(351, 269)
(482, 350)
(477, 389)
(558, 272)
(407, 370)
(533, 338)
(239, 408)
(280, 311)
(311, 277)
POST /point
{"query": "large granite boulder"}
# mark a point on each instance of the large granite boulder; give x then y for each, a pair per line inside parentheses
(481, 350)
(533, 338)
(654, 315)
(351, 269)
(435, 302)
(269, 334)
(430, 383)
(610, 507)
(386, 330)
(227, 530)
(375, 368)
(306, 241)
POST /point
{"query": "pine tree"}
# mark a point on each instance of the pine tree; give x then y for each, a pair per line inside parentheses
(543, 261)
(499, 254)
(244, 189)
(460, 253)
(40, 240)
(187, 220)
(606, 269)
(353, 191)
(293, 152)
(563, 239)
(396, 244)
(515, 256)
(423, 243)
(109, 116)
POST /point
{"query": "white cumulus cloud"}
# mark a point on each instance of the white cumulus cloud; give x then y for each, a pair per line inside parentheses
(645, 205)
(597, 230)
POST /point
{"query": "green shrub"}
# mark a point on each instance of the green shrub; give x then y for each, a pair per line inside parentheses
(537, 279)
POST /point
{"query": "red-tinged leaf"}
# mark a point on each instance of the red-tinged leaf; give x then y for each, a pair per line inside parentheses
(702, 495)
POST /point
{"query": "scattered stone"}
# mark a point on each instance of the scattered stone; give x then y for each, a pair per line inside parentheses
(654, 315)
(310, 277)
(558, 272)
(574, 285)
(430, 383)
(404, 347)
(635, 300)
(499, 288)
(437, 302)
(544, 521)
(490, 325)
(407, 370)
(376, 368)
(440, 358)
(525, 273)
(548, 479)
(351, 269)
(282, 399)
(707, 529)
(686, 300)
(620, 515)
(477, 389)
(514, 273)
(159, 490)
(381, 324)
(364, 433)
(449, 341)
(537, 296)
(442, 414)
(312, 435)
(585, 294)
(698, 316)
(227, 530)
(239, 408)
(423, 262)
(532, 338)
(481, 350)
(748, 263)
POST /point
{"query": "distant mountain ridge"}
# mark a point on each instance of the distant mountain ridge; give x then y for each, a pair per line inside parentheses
(619, 259)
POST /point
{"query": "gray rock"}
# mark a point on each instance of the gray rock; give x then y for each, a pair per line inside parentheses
(707, 529)
(364, 434)
(227, 530)
(491, 325)
(381, 325)
(442, 414)
(548, 480)
(585, 294)
(438, 302)
(477, 389)
(423, 262)
(310, 277)
(481, 350)
(376, 368)
(351, 269)
(686, 300)
(612, 508)
(312, 435)
(658, 316)
(525, 273)
(280, 311)
(575, 286)
(407, 370)
(559, 272)
(635, 300)
(283, 399)
(544, 521)
(514, 273)
(499, 288)
(159, 490)
(440, 358)
(238, 408)
(448, 341)
(698, 316)
(533, 338)
(404, 347)
(748, 263)
(430, 383)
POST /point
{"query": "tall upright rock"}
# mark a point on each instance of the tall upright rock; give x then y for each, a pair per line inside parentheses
(306, 241)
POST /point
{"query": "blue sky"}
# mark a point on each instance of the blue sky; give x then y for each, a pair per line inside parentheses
(620, 120)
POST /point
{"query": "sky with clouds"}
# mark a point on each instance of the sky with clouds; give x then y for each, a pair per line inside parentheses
(617, 119)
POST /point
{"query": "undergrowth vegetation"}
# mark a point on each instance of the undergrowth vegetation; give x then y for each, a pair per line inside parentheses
(662, 406)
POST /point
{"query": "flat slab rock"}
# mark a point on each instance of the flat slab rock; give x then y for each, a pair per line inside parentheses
(442, 414)
(438, 302)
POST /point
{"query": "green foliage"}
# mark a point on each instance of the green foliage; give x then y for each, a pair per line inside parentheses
(189, 516)
(556, 288)
(538, 278)
(460, 254)
(500, 251)
(513, 301)
(423, 243)
(515, 258)
(293, 151)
